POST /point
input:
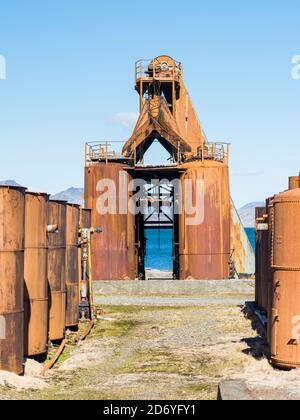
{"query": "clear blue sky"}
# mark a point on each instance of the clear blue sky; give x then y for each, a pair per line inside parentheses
(70, 77)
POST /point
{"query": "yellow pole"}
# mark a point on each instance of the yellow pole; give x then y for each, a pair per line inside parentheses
(90, 275)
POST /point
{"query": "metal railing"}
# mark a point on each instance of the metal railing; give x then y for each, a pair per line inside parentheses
(112, 151)
(214, 151)
(152, 69)
(103, 152)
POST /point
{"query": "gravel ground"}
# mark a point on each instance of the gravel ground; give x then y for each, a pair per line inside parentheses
(164, 348)
(170, 301)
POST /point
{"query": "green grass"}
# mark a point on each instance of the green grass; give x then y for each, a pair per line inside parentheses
(133, 309)
(166, 361)
(112, 329)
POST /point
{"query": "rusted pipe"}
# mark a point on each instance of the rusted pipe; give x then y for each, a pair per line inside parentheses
(55, 358)
(80, 338)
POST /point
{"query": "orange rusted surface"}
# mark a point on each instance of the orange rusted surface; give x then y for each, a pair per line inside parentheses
(12, 228)
(168, 113)
(72, 269)
(85, 218)
(36, 286)
(270, 213)
(57, 213)
(285, 317)
(205, 247)
(113, 252)
(294, 182)
(168, 116)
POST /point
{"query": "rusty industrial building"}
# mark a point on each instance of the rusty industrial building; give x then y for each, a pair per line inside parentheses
(215, 248)
(51, 251)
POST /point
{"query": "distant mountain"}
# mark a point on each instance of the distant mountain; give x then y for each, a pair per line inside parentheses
(10, 182)
(247, 213)
(72, 195)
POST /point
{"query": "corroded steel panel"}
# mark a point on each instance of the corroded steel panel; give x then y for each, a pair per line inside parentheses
(36, 286)
(204, 248)
(86, 218)
(57, 270)
(12, 228)
(113, 252)
(270, 213)
(72, 269)
(285, 338)
(293, 182)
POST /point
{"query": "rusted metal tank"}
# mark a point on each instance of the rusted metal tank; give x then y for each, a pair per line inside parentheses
(12, 228)
(36, 286)
(72, 269)
(259, 212)
(262, 262)
(205, 241)
(113, 252)
(285, 320)
(270, 213)
(57, 212)
(86, 218)
(294, 182)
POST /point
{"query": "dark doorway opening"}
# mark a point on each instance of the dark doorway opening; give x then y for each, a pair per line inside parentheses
(157, 233)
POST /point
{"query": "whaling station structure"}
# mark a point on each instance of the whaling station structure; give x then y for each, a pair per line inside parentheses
(217, 248)
(48, 249)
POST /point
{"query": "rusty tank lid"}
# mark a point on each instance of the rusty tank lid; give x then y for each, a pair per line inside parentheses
(13, 187)
(288, 196)
(38, 194)
(198, 163)
(58, 201)
(73, 205)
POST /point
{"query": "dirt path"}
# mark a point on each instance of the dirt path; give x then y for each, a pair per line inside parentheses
(161, 348)
(155, 350)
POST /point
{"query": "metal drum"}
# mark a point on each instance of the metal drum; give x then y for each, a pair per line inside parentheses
(205, 239)
(285, 316)
(72, 269)
(12, 227)
(57, 212)
(36, 286)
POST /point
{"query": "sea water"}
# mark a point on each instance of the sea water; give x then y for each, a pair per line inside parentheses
(159, 248)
